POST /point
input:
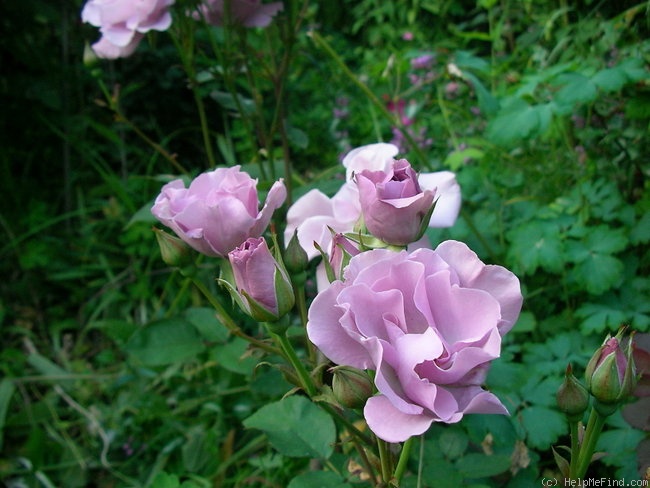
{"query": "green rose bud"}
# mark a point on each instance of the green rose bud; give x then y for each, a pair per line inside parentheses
(173, 250)
(611, 373)
(351, 386)
(295, 257)
(572, 397)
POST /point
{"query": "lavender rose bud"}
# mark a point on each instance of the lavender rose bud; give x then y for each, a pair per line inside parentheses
(611, 372)
(262, 283)
(218, 211)
(395, 209)
(428, 323)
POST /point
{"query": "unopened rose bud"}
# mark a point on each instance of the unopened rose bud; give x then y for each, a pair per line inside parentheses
(611, 373)
(351, 386)
(295, 257)
(263, 286)
(572, 397)
(394, 207)
(173, 250)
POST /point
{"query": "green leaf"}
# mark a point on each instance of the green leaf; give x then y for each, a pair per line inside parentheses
(318, 479)
(619, 444)
(599, 317)
(606, 240)
(543, 426)
(165, 480)
(537, 244)
(640, 233)
(205, 321)
(598, 273)
(525, 323)
(232, 356)
(476, 465)
(164, 342)
(7, 389)
(456, 159)
(453, 443)
(577, 90)
(296, 427)
(610, 79)
(517, 121)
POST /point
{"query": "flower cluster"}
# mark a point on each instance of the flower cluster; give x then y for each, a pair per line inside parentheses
(385, 193)
(123, 23)
(427, 322)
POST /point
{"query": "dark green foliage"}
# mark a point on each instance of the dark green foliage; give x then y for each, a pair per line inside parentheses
(115, 371)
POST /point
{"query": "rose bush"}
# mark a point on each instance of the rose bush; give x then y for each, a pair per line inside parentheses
(218, 211)
(314, 212)
(123, 23)
(428, 322)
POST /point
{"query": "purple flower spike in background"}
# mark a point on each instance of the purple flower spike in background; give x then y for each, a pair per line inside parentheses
(429, 323)
(218, 211)
(249, 13)
(123, 23)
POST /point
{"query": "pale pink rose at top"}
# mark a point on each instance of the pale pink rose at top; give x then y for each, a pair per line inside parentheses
(249, 13)
(314, 211)
(219, 210)
(123, 23)
(428, 323)
(393, 205)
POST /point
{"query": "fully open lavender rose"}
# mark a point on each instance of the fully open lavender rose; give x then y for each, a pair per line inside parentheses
(218, 211)
(123, 23)
(428, 322)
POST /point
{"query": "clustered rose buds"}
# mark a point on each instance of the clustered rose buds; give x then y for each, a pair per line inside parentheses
(426, 323)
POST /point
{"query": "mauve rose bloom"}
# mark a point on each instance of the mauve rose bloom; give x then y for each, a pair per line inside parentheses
(218, 211)
(264, 286)
(312, 213)
(428, 322)
(123, 23)
(393, 205)
(249, 13)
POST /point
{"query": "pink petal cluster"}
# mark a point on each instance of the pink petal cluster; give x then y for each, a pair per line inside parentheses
(428, 323)
(314, 212)
(249, 13)
(123, 23)
(218, 211)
